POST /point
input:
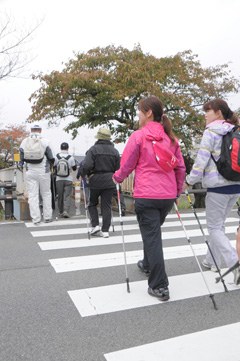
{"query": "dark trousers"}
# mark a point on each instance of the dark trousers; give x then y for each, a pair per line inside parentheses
(151, 214)
(106, 207)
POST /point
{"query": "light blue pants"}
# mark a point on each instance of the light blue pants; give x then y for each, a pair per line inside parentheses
(218, 207)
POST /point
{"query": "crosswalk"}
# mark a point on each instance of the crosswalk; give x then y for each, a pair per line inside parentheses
(96, 254)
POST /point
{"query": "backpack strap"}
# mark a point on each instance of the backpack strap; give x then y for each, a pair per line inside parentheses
(230, 131)
(68, 157)
(213, 159)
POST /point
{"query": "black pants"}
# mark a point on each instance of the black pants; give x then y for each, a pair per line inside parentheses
(151, 214)
(106, 207)
(115, 196)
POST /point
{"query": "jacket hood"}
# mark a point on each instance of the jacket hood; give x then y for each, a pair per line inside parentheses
(220, 127)
(154, 131)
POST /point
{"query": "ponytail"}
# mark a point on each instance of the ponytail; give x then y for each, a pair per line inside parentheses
(167, 125)
(232, 118)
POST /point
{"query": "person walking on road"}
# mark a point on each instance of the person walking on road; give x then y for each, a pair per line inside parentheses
(64, 163)
(222, 194)
(101, 161)
(37, 153)
(155, 189)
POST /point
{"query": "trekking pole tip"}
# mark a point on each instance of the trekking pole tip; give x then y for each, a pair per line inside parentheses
(128, 288)
(225, 287)
(213, 301)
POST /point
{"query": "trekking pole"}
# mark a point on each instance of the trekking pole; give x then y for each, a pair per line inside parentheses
(211, 295)
(86, 209)
(124, 251)
(228, 271)
(205, 239)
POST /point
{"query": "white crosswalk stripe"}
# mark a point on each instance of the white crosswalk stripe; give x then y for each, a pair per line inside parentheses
(187, 348)
(78, 221)
(71, 234)
(116, 259)
(92, 301)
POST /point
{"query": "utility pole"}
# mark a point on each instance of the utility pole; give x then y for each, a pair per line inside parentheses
(11, 141)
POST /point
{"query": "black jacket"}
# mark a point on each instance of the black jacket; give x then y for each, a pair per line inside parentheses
(101, 161)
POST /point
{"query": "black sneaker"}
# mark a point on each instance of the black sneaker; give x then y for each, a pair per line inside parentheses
(143, 269)
(161, 293)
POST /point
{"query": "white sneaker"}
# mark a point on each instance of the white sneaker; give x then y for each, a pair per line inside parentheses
(95, 230)
(207, 265)
(104, 234)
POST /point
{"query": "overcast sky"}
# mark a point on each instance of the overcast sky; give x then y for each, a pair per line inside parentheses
(210, 28)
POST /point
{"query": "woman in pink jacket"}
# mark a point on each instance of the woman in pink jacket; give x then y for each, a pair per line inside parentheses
(155, 190)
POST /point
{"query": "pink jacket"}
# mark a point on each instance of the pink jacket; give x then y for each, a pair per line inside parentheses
(151, 181)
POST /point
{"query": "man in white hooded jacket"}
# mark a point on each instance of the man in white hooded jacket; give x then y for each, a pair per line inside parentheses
(38, 177)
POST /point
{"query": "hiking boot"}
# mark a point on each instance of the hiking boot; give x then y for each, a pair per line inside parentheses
(65, 214)
(145, 270)
(104, 234)
(207, 265)
(161, 293)
(236, 275)
(95, 230)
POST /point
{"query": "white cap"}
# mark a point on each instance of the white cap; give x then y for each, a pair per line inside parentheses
(36, 126)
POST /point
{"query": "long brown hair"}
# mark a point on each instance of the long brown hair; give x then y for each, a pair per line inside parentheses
(156, 105)
(220, 104)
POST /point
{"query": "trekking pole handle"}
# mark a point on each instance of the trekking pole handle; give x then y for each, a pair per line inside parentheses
(119, 205)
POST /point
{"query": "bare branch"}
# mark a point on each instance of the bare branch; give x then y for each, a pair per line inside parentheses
(14, 55)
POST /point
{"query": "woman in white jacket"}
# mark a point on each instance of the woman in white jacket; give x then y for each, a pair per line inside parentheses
(222, 194)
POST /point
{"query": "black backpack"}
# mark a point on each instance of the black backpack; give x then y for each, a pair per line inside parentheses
(62, 168)
(228, 165)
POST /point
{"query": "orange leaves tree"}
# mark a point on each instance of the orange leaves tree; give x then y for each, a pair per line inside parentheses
(10, 135)
(106, 84)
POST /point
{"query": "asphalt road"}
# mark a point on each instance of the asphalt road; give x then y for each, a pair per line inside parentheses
(40, 321)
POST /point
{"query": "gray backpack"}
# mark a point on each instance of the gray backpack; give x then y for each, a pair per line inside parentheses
(62, 168)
